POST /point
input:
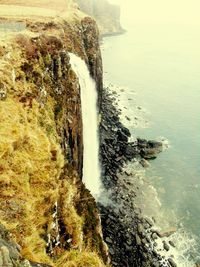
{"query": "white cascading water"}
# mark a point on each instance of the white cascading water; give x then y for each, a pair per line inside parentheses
(91, 166)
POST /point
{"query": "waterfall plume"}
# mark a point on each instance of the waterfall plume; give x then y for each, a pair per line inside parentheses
(91, 166)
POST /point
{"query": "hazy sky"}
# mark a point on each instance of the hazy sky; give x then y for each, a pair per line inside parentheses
(178, 11)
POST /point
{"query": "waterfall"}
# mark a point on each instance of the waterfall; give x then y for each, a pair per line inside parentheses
(91, 166)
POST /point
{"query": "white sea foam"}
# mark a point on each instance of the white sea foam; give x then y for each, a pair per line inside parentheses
(148, 201)
(184, 243)
(165, 142)
(132, 115)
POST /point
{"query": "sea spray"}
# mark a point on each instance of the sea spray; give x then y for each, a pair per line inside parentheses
(91, 166)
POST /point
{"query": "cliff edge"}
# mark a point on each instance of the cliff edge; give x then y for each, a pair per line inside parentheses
(47, 216)
(106, 14)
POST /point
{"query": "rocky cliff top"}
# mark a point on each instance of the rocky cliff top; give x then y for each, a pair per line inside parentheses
(106, 14)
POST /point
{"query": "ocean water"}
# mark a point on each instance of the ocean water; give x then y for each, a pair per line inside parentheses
(158, 67)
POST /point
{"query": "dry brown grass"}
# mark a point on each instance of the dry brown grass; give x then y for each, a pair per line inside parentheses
(72, 221)
(30, 166)
(77, 259)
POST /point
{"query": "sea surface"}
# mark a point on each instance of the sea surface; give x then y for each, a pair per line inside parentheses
(158, 67)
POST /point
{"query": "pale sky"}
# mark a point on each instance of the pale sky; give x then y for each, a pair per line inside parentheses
(176, 11)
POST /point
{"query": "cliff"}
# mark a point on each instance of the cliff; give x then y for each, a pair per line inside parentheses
(47, 216)
(107, 15)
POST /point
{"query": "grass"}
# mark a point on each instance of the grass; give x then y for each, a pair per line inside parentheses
(77, 259)
(30, 166)
(33, 172)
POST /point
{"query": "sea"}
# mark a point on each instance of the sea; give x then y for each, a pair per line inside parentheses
(155, 71)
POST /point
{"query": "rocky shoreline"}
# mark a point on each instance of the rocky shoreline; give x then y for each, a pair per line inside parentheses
(131, 238)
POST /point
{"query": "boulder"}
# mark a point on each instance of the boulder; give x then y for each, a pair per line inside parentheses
(144, 163)
(172, 262)
(166, 246)
(149, 149)
(122, 136)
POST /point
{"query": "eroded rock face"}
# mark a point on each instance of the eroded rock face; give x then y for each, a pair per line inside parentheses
(92, 48)
(107, 15)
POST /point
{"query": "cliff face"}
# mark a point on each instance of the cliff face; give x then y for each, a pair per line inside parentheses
(43, 203)
(107, 15)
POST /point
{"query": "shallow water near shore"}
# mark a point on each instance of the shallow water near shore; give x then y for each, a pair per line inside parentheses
(158, 67)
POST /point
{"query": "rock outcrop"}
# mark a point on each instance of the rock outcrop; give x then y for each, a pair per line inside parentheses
(107, 15)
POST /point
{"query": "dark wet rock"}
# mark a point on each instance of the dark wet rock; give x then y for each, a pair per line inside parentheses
(128, 119)
(155, 244)
(172, 262)
(172, 243)
(166, 246)
(154, 236)
(111, 251)
(138, 240)
(108, 240)
(121, 136)
(140, 228)
(142, 143)
(156, 232)
(149, 221)
(131, 151)
(149, 149)
(144, 163)
(129, 242)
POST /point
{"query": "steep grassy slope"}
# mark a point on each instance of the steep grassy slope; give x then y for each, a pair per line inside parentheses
(43, 202)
